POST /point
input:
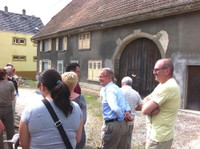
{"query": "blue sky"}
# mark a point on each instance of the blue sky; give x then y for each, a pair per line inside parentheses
(45, 9)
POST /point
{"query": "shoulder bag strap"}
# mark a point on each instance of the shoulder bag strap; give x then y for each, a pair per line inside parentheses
(58, 124)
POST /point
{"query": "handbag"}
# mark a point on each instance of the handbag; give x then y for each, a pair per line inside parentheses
(58, 124)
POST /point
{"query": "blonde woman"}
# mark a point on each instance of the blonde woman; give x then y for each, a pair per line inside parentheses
(71, 80)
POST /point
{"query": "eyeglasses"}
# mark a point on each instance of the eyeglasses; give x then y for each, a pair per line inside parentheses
(103, 76)
(158, 69)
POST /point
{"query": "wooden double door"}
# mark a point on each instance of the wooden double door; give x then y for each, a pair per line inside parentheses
(137, 61)
(193, 93)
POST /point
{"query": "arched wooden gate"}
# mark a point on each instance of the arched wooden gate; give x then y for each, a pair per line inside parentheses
(137, 61)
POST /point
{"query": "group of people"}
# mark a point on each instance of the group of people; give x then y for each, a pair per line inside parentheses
(160, 107)
(37, 128)
(8, 93)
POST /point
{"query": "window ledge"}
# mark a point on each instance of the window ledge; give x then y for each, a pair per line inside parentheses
(84, 49)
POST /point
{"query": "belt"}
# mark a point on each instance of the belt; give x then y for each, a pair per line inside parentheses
(111, 120)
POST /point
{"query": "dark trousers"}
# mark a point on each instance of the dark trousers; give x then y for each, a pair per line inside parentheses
(7, 117)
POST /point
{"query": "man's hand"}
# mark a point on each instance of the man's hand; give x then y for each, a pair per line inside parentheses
(155, 111)
(128, 117)
(138, 107)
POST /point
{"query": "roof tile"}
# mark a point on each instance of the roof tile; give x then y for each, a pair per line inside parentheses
(19, 22)
(80, 13)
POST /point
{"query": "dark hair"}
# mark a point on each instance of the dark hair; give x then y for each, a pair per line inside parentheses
(60, 93)
(72, 67)
(2, 73)
(9, 64)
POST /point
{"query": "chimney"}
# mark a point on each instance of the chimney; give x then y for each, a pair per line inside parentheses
(6, 9)
(24, 12)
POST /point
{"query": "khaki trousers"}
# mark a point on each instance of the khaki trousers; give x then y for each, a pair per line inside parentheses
(113, 135)
(159, 145)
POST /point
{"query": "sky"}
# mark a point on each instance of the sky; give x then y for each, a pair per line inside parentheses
(44, 9)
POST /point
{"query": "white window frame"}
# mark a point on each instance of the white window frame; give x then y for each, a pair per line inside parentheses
(43, 63)
(47, 45)
(60, 66)
(84, 41)
(19, 41)
(61, 43)
(19, 58)
(94, 68)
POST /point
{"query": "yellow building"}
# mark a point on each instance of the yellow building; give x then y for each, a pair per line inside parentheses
(16, 47)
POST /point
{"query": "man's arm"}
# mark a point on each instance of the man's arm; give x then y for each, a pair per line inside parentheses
(149, 107)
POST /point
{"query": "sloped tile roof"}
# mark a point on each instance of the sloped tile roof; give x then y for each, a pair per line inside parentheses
(19, 23)
(83, 13)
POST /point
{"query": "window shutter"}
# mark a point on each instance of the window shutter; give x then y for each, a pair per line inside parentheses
(90, 73)
(49, 64)
(65, 43)
(80, 41)
(40, 45)
(50, 44)
(57, 43)
(40, 66)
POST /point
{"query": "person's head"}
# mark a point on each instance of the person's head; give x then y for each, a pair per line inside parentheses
(50, 84)
(106, 76)
(70, 79)
(10, 69)
(2, 74)
(163, 70)
(75, 67)
(127, 81)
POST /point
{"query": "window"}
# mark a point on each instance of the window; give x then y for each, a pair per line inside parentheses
(84, 41)
(94, 68)
(62, 43)
(35, 58)
(60, 66)
(19, 41)
(18, 58)
(44, 65)
(47, 45)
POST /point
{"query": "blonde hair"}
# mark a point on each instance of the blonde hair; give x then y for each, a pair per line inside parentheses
(70, 79)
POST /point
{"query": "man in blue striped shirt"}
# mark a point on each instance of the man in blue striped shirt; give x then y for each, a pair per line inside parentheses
(115, 111)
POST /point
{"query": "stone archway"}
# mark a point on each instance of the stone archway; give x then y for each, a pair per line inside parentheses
(135, 56)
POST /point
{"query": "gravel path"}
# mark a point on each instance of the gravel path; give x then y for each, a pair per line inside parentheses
(187, 134)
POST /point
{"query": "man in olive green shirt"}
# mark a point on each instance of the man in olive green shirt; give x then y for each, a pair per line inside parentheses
(161, 107)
